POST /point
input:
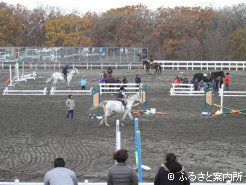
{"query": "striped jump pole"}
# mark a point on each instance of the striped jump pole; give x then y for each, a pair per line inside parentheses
(138, 150)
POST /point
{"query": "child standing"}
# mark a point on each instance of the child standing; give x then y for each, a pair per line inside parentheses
(227, 81)
(83, 82)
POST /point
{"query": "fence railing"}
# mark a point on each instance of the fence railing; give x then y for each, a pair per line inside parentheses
(166, 65)
(203, 65)
(17, 182)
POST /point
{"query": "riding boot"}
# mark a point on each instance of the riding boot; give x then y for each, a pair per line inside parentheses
(125, 105)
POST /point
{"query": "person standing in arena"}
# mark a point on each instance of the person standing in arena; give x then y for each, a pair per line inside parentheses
(70, 103)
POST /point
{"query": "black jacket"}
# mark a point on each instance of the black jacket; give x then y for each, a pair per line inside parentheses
(174, 171)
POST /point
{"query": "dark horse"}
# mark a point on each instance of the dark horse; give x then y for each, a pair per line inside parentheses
(152, 65)
(213, 75)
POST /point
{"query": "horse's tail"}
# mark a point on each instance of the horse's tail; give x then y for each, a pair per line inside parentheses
(49, 79)
(101, 104)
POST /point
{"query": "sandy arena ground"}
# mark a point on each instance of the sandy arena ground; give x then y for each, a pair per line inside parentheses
(34, 131)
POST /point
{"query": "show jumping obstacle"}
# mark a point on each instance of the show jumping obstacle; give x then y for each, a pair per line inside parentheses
(17, 77)
(223, 110)
(70, 92)
(20, 78)
(7, 91)
(185, 90)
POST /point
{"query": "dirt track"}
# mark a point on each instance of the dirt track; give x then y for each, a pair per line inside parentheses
(34, 131)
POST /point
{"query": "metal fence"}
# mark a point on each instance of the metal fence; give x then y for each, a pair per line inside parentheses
(73, 54)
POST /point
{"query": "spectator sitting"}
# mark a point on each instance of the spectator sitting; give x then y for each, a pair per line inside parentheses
(213, 85)
(171, 169)
(111, 79)
(60, 174)
(124, 81)
(83, 82)
(121, 173)
(185, 80)
(137, 79)
(118, 80)
(196, 85)
(201, 85)
(177, 81)
(101, 79)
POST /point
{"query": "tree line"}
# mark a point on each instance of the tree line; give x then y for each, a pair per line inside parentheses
(180, 33)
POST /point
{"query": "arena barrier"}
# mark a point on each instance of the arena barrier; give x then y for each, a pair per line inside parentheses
(86, 182)
(185, 90)
(70, 92)
(114, 88)
(223, 110)
(7, 91)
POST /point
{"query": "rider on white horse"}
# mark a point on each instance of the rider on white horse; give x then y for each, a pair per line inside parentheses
(121, 96)
(65, 71)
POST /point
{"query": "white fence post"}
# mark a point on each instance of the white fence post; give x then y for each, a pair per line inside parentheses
(118, 136)
(221, 98)
(17, 181)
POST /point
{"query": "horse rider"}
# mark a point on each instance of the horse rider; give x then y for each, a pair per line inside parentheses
(109, 70)
(151, 60)
(65, 71)
(121, 96)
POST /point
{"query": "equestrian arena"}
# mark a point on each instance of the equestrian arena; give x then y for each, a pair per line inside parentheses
(34, 130)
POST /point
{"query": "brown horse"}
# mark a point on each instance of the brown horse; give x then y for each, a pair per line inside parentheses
(107, 77)
(152, 65)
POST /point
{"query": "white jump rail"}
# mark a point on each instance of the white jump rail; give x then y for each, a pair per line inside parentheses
(113, 88)
(7, 91)
(29, 76)
(233, 93)
(70, 92)
(23, 77)
(223, 93)
(185, 90)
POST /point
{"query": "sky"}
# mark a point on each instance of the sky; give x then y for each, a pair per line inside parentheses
(100, 6)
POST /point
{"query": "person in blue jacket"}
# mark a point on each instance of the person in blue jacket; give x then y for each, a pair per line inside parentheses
(83, 82)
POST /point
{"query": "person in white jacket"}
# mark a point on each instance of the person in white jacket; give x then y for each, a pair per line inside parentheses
(70, 103)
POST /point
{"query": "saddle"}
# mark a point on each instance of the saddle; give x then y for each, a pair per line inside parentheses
(123, 103)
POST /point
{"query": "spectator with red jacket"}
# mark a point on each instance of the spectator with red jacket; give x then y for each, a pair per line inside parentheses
(227, 81)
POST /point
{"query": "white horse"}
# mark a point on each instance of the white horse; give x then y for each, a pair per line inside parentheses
(111, 106)
(60, 76)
